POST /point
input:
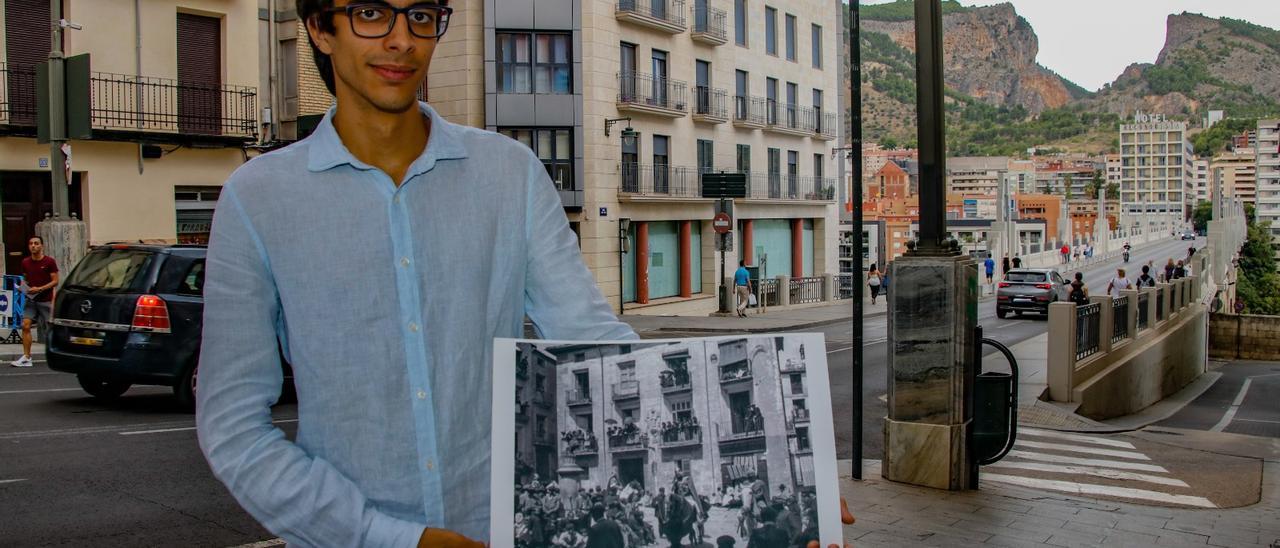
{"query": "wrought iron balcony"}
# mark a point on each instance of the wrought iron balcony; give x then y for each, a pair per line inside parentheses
(824, 125)
(626, 443)
(735, 372)
(645, 93)
(127, 107)
(577, 397)
(792, 366)
(800, 416)
(710, 105)
(749, 112)
(709, 26)
(660, 180)
(675, 382)
(661, 15)
(626, 390)
(582, 447)
(791, 120)
(681, 436)
(779, 186)
(742, 429)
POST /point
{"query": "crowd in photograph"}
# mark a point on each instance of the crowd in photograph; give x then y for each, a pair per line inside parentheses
(682, 429)
(628, 516)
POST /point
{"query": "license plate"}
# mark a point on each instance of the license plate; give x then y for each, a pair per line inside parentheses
(86, 341)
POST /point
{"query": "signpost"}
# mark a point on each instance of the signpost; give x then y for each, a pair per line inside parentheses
(725, 186)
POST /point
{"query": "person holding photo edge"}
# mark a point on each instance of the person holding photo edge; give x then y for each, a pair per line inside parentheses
(374, 254)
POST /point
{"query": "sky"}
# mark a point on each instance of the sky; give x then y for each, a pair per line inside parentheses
(1090, 42)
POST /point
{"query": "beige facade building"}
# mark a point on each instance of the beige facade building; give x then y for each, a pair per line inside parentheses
(173, 100)
(1236, 174)
(1156, 179)
(1200, 170)
(1268, 174)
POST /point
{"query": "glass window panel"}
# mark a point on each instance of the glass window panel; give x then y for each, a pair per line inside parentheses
(543, 51)
(564, 150)
(520, 79)
(545, 144)
(522, 48)
(560, 80)
(542, 79)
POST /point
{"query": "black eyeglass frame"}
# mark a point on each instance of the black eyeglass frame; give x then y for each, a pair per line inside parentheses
(442, 13)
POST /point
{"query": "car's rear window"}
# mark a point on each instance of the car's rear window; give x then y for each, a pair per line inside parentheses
(1016, 276)
(111, 269)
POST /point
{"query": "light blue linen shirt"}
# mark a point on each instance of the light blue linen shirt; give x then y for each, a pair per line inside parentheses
(386, 301)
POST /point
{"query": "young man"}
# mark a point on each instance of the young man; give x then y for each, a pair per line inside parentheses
(40, 275)
(384, 253)
(990, 266)
(742, 287)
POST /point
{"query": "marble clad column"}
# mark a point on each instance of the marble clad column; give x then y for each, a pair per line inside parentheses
(932, 316)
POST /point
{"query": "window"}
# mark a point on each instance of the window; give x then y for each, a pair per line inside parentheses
(797, 383)
(744, 158)
(193, 283)
(554, 147)
(740, 21)
(740, 94)
(793, 173)
(791, 37)
(775, 173)
(792, 113)
(706, 156)
(534, 63)
(771, 96)
(770, 31)
(661, 163)
(817, 110)
(818, 161)
(817, 46)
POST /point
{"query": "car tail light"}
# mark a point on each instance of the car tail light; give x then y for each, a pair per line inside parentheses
(1044, 286)
(1005, 284)
(151, 315)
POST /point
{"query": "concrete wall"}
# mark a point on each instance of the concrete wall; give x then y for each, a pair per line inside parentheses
(1244, 337)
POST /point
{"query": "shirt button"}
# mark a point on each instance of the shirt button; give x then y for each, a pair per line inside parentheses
(422, 394)
(396, 199)
(413, 327)
(404, 261)
(431, 465)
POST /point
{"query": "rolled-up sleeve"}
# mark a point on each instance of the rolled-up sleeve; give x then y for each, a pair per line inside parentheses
(561, 296)
(303, 499)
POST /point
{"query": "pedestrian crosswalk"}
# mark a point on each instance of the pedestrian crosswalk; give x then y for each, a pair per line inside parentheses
(1090, 466)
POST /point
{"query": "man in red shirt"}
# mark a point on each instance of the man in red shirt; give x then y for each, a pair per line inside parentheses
(40, 277)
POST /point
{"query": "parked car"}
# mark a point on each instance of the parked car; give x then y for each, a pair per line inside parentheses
(133, 314)
(1030, 290)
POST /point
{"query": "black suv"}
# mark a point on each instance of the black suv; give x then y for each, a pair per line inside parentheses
(132, 314)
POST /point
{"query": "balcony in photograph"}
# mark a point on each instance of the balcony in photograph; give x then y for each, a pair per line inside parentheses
(799, 416)
(522, 411)
(741, 430)
(734, 373)
(779, 186)
(581, 445)
(681, 436)
(749, 112)
(710, 105)
(575, 398)
(626, 390)
(542, 399)
(628, 443)
(709, 26)
(649, 94)
(675, 382)
(792, 365)
(660, 15)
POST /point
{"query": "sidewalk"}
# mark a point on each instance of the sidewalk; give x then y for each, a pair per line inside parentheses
(774, 319)
(895, 514)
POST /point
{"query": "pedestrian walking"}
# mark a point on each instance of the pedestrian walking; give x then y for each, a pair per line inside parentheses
(40, 279)
(1004, 266)
(742, 287)
(990, 265)
(1118, 284)
(873, 282)
(1168, 270)
(1180, 271)
(1079, 291)
(1017, 261)
(1066, 252)
(1146, 280)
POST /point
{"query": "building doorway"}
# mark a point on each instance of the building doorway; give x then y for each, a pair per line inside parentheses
(25, 198)
(631, 469)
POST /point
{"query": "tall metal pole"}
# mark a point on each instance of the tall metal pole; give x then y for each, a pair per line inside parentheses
(855, 143)
(931, 120)
(57, 115)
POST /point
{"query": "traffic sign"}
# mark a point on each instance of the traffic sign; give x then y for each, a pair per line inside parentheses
(724, 185)
(722, 223)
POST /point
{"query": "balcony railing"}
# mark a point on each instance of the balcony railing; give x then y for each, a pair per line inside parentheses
(824, 124)
(580, 444)
(661, 180)
(1120, 311)
(657, 94)
(749, 111)
(792, 365)
(710, 104)
(743, 427)
(735, 372)
(665, 15)
(681, 436)
(1088, 320)
(144, 104)
(791, 119)
(1143, 316)
(800, 416)
(577, 397)
(631, 441)
(709, 25)
(626, 390)
(806, 290)
(675, 381)
(1161, 295)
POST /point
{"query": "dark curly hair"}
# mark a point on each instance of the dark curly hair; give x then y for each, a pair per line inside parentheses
(316, 8)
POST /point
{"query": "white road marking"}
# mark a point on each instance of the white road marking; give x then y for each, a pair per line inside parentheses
(184, 429)
(1075, 437)
(875, 341)
(1259, 420)
(263, 544)
(1079, 449)
(1101, 490)
(11, 481)
(1091, 471)
(839, 350)
(40, 391)
(1235, 406)
(1123, 465)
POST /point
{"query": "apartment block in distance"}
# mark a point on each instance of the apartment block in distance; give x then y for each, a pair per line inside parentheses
(172, 102)
(1268, 177)
(1157, 186)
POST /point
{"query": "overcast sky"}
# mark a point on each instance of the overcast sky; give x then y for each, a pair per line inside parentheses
(1090, 42)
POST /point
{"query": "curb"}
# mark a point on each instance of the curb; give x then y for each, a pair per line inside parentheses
(807, 325)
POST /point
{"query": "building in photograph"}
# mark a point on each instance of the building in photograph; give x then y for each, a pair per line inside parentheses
(1052, 209)
(721, 412)
(173, 103)
(1268, 177)
(976, 174)
(629, 103)
(536, 444)
(1156, 173)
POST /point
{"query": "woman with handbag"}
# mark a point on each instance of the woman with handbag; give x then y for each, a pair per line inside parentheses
(873, 282)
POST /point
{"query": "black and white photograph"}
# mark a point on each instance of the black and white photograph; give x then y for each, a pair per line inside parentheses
(719, 442)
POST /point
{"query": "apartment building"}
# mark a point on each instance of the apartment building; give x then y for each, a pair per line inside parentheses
(1268, 177)
(1235, 174)
(1156, 174)
(172, 104)
(1200, 176)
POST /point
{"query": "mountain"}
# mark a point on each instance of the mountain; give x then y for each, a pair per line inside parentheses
(1000, 101)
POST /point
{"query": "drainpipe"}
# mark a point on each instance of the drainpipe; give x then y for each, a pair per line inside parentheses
(137, 73)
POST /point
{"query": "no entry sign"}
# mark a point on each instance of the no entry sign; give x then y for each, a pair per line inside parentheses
(722, 223)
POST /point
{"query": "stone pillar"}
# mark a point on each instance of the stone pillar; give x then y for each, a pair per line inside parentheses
(1061, 362)
(686, 260)
(797, 248)
(784, 290)
(1132, 316)
(1106, 322)
(642, 263)
(931, 370)
(67, 241)
(747, 242)
(828, 287)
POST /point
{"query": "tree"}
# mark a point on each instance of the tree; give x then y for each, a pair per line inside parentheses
(1113, 191)
(1201, 216)
(1068, 181)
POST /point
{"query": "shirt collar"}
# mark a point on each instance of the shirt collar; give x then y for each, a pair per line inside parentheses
(328, 151)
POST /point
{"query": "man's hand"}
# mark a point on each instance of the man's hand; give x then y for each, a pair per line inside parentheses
(845, 517)
(440, 538)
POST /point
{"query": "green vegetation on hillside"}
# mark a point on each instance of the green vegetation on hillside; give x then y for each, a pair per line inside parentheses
(903, 10)
(1264, 35)
(1259, 284)
(1213, 140)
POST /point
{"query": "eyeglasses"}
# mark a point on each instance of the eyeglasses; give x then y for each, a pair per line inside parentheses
(375, 20)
